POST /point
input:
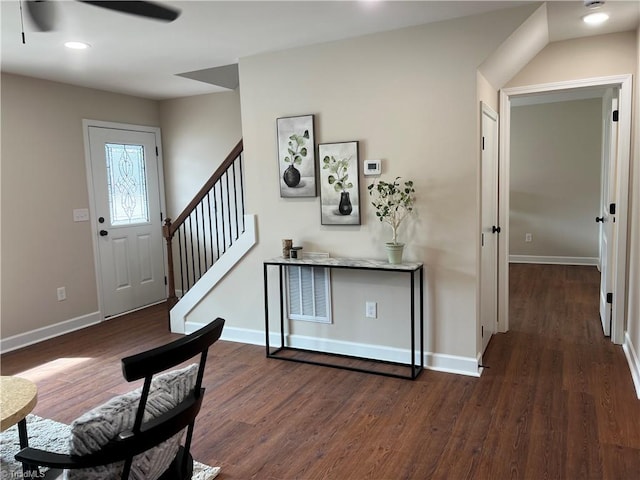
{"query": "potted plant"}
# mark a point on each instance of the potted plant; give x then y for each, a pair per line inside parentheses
(393, 202)
(339, 178)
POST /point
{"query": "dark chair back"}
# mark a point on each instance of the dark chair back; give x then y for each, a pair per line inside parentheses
(146, 435)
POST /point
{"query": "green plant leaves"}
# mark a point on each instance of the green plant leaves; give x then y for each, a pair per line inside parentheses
(296, 153)
(393, 201)
(339, 172)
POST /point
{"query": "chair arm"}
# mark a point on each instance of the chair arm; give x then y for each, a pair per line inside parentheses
(35, 456)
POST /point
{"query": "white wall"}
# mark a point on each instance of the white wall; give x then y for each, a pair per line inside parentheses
(198, 133)
(410, 98)
(555, 179)
(43, 180)
(586, 57)
(632, 339)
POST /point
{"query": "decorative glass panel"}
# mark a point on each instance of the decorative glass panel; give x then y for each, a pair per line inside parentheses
(127, 184)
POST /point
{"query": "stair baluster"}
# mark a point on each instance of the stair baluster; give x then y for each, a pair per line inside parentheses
(200, 221)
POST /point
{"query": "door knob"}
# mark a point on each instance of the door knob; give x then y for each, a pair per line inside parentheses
(103, 233)
(495, 229)
(599, 219)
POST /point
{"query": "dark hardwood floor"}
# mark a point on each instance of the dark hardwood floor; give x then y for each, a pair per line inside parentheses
(557, 401)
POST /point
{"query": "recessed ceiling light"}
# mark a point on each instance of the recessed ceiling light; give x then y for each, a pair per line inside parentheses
(595, 18)
(77, 45)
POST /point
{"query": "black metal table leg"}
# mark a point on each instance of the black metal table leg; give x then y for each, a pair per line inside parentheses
(281, 278)
(266, 307)
(28, 471)
(421, 318)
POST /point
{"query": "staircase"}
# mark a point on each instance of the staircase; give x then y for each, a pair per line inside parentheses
(207, 239)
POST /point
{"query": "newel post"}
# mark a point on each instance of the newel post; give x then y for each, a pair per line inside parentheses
(171, 284)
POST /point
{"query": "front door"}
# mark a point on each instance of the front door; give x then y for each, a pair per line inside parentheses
(489, 226)
(125, 176)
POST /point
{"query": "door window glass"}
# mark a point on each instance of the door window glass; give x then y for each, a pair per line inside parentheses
(127, 184)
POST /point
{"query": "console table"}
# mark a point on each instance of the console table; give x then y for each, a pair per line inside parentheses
(413, 270)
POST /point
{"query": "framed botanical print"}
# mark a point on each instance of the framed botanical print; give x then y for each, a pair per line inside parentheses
(296, 156)
(339, 183)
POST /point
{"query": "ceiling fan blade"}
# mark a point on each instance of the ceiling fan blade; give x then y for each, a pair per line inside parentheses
(42, 13)
(144, 9)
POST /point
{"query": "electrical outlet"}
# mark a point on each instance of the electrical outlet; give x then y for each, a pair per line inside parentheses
(371, 310)
(528, 237)
(62, 293)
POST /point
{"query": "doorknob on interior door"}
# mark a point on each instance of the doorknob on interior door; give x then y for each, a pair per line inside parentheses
(103, 233)
(599, 219)
(495, 229)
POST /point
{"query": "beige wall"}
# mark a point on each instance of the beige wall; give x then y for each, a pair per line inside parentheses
(585, 57)
(555, 178)
(486, 93)
(43, 180)
(198, 133)
(633, 312)
(410, 98)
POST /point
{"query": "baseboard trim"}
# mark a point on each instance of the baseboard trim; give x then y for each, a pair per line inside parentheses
(553, 260)
(433, 361)
(633, 361)
(51, 331)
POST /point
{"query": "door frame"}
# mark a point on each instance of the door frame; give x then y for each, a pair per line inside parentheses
(86, 124)
(624, 83)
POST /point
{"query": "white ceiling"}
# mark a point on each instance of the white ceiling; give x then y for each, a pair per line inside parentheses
(143, 57)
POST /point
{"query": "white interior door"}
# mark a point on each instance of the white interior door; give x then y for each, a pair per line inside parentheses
(489, 226)
(125, 175)
(607, 216)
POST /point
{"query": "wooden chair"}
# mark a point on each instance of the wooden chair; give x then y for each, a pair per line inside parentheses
(145, 434)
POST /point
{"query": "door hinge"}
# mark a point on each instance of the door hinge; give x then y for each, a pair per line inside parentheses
(482, 330)
(615, 115)
(612, 209)
(157, 151)
(161, 217)
(165, 279)
(609, 297)
(482, 143)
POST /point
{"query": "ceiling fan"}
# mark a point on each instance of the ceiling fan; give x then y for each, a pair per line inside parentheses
(43, 12)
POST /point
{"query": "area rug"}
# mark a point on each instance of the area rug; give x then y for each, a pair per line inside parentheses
(51, 435)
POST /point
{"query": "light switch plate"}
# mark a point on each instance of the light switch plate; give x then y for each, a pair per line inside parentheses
(81, 215)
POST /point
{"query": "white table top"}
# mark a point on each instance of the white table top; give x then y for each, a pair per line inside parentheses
(18, 397)
(362, 263)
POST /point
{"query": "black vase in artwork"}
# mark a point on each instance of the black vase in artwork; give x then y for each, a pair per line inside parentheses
(345, 207)
(291, 176)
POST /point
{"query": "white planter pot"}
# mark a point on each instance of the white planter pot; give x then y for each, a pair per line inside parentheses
(394, 252)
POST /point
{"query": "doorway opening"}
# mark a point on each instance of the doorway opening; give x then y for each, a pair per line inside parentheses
(617, 240)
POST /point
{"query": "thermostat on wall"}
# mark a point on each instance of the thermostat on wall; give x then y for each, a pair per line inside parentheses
(372, 167)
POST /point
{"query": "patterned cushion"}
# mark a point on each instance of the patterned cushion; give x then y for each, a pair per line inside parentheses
(95, 428)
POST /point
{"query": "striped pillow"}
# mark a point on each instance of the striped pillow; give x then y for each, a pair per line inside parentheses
(97, 427)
